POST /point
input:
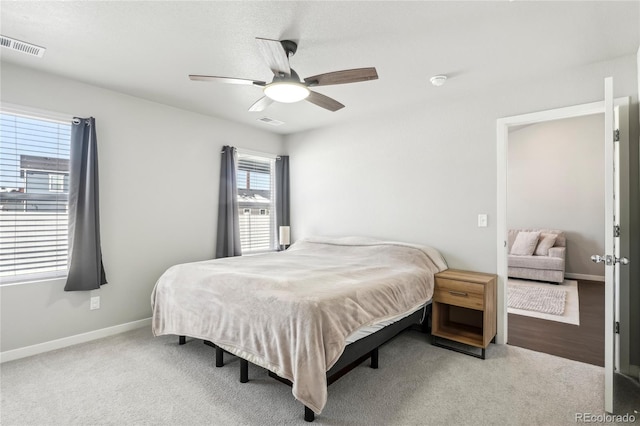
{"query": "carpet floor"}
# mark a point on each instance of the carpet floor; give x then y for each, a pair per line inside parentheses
(136, 379)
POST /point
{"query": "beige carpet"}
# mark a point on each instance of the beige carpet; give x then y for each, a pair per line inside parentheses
(134, 379)
(571, 314)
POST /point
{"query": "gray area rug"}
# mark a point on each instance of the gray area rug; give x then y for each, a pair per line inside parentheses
(136, 379)
(547, 300)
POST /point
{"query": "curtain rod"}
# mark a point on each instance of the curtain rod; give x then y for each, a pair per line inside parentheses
(256, 153)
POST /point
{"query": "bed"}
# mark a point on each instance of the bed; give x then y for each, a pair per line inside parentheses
(291, 312)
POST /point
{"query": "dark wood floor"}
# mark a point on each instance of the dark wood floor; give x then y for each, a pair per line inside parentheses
(583, 343)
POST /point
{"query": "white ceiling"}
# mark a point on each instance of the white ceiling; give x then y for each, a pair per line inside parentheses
(147, 48)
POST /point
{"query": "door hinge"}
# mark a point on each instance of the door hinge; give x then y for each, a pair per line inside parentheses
(616, 135)
(616, 230)
(617, 327)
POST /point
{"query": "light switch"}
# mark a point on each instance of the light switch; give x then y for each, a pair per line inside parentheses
(94, 303)
(482, 220)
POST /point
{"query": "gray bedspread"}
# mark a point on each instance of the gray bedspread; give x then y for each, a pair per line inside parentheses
(291, 311)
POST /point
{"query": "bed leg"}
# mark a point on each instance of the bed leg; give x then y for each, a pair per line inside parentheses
(374, 358)
(182, 340)
(426, 324)
(244, 370)
(309, 415)
(219, 357)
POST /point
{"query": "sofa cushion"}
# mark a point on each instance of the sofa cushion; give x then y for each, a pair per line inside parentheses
(525, 243)
(548, 275)
(545, 242)
(557, 252)
(536, 262)
(561, 240)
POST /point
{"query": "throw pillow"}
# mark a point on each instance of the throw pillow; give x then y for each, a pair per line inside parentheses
(545, 243)
(525, 243)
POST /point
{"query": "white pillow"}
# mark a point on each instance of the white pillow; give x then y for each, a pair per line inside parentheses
(525, 243)
(546, 242)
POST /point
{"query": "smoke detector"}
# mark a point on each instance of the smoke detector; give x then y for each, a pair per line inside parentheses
(21, 46)
(438, 80)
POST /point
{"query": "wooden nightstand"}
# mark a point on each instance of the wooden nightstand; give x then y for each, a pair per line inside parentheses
(464, 309)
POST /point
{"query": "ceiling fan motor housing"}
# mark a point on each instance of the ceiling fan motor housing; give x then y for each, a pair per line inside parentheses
(289, 46)
(282, 77)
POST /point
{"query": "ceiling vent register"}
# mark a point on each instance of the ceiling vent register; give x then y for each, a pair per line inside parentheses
(271, 121)
(21, 46)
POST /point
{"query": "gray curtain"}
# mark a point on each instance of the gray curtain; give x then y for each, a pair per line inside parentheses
(228, 237)
(86, 271)
(282, 192)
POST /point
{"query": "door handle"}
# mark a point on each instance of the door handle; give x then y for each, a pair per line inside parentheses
(609, 260)
(599, 259)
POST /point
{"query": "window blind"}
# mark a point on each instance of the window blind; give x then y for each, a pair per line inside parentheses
(256, 189)
(34, 192)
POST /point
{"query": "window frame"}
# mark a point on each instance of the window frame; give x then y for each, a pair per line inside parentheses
(56, 182)
(270, 208)
(43, 115)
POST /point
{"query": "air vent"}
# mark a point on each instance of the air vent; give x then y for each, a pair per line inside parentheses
(270, 121)
(21, 46)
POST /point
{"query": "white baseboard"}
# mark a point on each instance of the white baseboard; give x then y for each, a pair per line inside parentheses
(71, 340)
(584, 277)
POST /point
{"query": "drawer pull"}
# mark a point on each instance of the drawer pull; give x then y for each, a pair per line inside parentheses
(458, 293)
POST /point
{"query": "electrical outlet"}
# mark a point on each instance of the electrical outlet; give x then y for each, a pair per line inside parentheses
(482, 220)
(95, 303)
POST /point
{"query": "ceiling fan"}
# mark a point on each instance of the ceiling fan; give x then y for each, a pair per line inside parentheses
(286, 85)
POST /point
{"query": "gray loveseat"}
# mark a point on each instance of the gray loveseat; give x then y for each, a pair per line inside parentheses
(538, 265)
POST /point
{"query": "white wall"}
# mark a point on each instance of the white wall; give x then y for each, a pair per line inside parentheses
(159, 173)
(424, 174)
(555, 180)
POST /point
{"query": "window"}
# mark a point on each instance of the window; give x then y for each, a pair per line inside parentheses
(256, 189)
(56, 183)
(34, 192)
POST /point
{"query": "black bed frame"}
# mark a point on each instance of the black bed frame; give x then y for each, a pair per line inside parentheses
(354, 354)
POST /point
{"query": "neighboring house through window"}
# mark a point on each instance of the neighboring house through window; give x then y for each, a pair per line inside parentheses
(34, 192)
(256, 202)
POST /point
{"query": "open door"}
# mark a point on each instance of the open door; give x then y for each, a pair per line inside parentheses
(616, 196)
(611, 258)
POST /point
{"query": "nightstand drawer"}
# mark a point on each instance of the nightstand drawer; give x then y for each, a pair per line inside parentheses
(459, 293)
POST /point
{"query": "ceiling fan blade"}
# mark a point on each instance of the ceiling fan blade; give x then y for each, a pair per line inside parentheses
(342, 77)
(273, 52)
(228, 80)
(261, 104)
(324, 101)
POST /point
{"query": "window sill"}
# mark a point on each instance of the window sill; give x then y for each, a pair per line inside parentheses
(33, 279)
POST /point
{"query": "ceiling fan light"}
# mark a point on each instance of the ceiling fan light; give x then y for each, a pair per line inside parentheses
(286, 92)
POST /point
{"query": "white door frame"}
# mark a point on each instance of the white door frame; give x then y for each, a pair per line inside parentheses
(502, 129)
